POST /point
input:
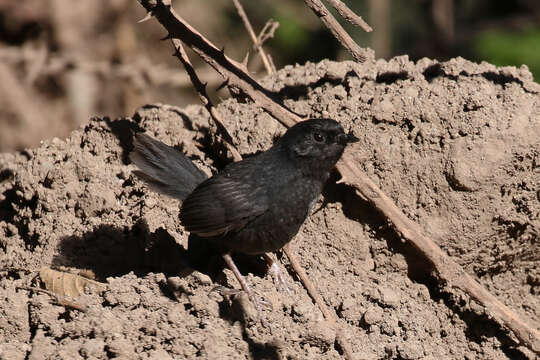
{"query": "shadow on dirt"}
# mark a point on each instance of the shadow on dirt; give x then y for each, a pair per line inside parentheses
(112, 251)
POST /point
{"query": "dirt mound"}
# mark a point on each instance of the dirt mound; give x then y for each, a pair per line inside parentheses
(455, 144)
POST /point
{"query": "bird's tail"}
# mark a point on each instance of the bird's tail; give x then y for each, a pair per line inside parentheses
(163, 168)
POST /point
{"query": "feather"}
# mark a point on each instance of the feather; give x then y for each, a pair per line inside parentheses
(163, 168)
(221, 205)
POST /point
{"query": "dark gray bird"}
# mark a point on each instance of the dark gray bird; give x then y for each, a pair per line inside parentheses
(253, 206)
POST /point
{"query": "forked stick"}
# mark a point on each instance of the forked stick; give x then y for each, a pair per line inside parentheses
(254, 38)
(449, 273)
(234, 72)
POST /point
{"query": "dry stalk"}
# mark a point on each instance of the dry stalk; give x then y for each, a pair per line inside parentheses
(256, 42)
(329, 315)
(349, 15)
(448, 272)
(337, 30)
(267, 32)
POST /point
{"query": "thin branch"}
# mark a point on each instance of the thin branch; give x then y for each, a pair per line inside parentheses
(205, 99)
(349, 15)
(233, 71)
(337, 30)
(256, 43)
(448, 271)
(330, 316)
(267, 31)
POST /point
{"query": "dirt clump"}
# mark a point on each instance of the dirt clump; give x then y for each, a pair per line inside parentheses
(455, 144)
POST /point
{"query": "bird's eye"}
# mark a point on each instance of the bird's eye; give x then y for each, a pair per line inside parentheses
(318, 137)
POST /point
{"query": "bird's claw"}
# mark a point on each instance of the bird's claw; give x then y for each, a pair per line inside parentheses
(258, 302)
(279, 280)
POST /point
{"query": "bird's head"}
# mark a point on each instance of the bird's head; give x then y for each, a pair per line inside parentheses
(316, 142)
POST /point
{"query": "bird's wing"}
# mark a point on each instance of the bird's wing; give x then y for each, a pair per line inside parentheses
(222, 204)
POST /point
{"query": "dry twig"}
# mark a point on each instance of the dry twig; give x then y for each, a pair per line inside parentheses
(329, 315)
(337, 30)
(205, 99)
(349, 15)
(235, 73)
(448, 271)
(267, 31)
(256, 42)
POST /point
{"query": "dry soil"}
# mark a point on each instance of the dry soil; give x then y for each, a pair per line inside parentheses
(456, 145)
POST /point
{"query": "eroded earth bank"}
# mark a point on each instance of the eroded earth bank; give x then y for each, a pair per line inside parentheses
(456, 145)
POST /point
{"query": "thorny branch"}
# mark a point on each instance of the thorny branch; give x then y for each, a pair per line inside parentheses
(205, 99)
(256, 42)
(448, 272)
(234, 72)
(337, 30)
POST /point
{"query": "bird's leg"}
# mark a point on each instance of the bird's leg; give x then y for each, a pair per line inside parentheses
(275, 271)
(243, 283)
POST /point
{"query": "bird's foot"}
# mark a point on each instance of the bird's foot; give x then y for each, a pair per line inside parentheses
(228, 292)
(255, 300)
(258, 303)
(279, 279)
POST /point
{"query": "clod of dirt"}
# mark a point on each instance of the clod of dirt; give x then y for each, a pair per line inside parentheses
(456, 145)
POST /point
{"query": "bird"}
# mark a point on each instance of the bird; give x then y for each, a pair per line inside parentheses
(253, 206)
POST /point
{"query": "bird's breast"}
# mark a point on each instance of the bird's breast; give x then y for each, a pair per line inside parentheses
(289, 208)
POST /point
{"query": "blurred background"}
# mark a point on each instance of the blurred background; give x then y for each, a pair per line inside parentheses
(64, 61)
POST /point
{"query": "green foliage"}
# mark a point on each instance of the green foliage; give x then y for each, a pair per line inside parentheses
(510, 48)
(297, 42)
(291, 34)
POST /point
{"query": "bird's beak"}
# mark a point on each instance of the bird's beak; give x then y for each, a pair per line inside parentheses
(345, 139)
